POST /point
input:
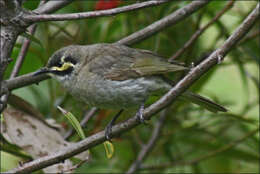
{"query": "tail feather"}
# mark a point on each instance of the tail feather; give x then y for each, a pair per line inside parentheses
(202, 101)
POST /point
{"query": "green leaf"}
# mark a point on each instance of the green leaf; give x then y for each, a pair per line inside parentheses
(73, 121)
(109, 149)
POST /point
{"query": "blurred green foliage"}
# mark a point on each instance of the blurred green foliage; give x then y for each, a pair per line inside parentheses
(190, 131)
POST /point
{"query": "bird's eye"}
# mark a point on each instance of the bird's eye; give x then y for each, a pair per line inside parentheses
(59, 64)
(70, 59)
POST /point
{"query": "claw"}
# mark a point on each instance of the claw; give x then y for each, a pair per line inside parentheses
(192, 65)
(140, 115)
(220, 57)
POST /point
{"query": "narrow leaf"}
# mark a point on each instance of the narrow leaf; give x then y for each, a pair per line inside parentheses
(109, 149)
(73, 121)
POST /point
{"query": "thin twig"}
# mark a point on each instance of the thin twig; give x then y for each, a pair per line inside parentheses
(204, 157)
(164, 101)
(24, 47)
(22, 53)
(52, 6)
(75, 166)
(75, 16)
(19, 62)
(149, 146)
(163, 23)
(196, 35)
(83, 122)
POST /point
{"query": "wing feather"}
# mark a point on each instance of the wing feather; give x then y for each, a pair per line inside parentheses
(118, 62)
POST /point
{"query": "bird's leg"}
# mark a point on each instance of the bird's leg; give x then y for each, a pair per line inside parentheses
(110, 125)
(139, 114)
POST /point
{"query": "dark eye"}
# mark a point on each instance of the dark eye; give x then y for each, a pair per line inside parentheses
(55, 61)
(70, 59)
(58, 64)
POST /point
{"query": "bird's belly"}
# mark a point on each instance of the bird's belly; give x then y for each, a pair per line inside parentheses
(118, 94)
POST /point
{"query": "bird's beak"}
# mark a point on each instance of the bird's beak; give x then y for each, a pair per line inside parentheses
(41, 71)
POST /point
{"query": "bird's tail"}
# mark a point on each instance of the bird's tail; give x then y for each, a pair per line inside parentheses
(202, 101)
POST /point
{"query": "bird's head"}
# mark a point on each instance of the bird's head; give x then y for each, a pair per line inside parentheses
(63, 63)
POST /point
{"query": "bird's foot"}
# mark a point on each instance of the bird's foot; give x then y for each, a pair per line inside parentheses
(139, 114)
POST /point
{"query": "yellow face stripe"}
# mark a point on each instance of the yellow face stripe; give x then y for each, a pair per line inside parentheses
(65, 66)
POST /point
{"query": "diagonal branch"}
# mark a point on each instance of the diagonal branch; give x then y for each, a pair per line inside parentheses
(149, 146)
(196, 35)
(22, 54)
(18, 63)
(52, 6)
(84, 15)
(215, 58)
(164, 22)
(179, 88)
(206, 156)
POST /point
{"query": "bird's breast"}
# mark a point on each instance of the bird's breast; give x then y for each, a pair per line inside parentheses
(103, 93)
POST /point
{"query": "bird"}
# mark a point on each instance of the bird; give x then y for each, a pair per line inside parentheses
(115, 76)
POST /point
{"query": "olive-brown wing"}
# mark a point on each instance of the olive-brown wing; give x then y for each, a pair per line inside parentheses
(117, 62)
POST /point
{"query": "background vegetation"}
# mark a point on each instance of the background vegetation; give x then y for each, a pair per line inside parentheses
(191, 138)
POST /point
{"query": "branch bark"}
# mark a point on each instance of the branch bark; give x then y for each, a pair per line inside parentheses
(10, 29)
(12, 25)
(52, 6)
(149, 146)
(84, 15)
(24, 80)
(22, 53)
(164, 22)
(196, 35)
(204, 157)
(180, 87)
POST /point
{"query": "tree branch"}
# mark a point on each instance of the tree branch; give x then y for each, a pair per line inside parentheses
(22, 53)
(9, 33)
(12, 25)
(149, 146)
(196, 35)
(215, 58)
(180, 87)
(20, 59)
(24, 80)
(204, 157)
(84, 15)
(52, 6)
(164, 22)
